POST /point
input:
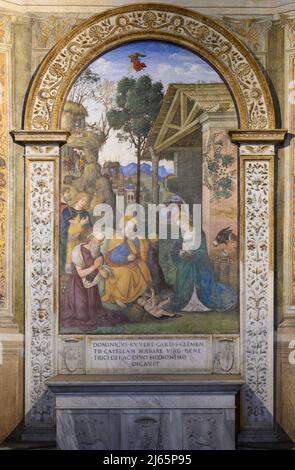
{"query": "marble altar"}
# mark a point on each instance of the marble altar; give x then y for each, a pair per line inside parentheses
(120, 412)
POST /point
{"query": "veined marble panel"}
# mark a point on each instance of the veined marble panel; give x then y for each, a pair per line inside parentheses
(146, 355)
(80, 354)
(196, 418)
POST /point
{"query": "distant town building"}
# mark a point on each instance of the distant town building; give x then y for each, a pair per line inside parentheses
(130, 193)
(73, 116)
(113, 171)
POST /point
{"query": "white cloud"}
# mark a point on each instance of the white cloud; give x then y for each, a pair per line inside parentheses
(104, 66)
(187, 72)
(110, 70)
(178, 56)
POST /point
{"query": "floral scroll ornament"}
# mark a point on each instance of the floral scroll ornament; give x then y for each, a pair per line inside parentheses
(77, 50)
(40, 283)
(252, 31)
(219, 168)
(257, 285)
(5, 29)
(3, 181)
(48, 30)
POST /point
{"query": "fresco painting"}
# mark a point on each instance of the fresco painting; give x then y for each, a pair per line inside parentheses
(148, 123)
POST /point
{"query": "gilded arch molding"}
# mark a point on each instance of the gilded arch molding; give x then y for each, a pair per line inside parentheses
(200, 34)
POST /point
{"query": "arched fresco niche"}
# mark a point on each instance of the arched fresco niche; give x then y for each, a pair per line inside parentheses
(159, 107)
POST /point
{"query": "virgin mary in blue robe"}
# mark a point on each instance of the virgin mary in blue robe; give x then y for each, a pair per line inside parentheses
(195, 273)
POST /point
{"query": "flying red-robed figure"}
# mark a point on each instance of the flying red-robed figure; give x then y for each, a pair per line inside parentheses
(137, 65)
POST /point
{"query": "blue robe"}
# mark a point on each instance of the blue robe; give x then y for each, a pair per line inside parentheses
(119, 255)
(194, 270)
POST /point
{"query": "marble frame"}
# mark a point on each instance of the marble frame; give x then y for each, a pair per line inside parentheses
(257, 139)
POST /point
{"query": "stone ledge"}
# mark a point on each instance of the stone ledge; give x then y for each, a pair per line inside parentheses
(274, 136)
(167, 383)
(24, 137)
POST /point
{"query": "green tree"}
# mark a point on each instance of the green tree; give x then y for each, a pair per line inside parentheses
(137, 103)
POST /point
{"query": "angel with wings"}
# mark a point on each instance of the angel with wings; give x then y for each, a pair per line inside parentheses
(136, 63)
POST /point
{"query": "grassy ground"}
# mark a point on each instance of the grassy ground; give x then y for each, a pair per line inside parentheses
(141, 322)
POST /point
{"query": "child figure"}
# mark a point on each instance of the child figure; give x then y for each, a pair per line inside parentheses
(150, 305)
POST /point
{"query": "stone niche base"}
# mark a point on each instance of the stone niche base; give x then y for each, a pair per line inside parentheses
(113, 412)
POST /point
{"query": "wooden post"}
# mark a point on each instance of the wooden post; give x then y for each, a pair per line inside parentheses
(155, 177)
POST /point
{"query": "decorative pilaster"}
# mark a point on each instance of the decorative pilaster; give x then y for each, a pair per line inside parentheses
(47, 30)
(257, 154)
(287, 317)
(6, 312)
(42, 152)
(253, 32)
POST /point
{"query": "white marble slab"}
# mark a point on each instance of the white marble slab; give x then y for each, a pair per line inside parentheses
(139, 401)
(155, 355)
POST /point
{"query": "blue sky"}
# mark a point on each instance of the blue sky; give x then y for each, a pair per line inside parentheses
(165, 62)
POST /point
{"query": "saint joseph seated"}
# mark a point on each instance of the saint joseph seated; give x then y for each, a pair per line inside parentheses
(127, 255)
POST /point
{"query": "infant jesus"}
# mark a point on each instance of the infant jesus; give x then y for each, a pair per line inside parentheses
(151, 306)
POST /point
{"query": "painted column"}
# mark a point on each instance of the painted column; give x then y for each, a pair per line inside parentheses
(42, 152)
(257, 155)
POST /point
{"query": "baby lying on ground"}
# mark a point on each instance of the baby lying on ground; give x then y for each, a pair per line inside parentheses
(151, 306)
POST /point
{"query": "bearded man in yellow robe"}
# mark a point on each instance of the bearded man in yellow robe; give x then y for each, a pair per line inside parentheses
(127, 255)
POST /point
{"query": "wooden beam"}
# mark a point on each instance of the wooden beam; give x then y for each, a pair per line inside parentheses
(193, 112)
(173, 126)
(155, 180)
(178, 135)
(189, 119)
(183, 107)
(169, 118)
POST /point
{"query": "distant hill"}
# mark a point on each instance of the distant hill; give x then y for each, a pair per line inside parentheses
(146, 168)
